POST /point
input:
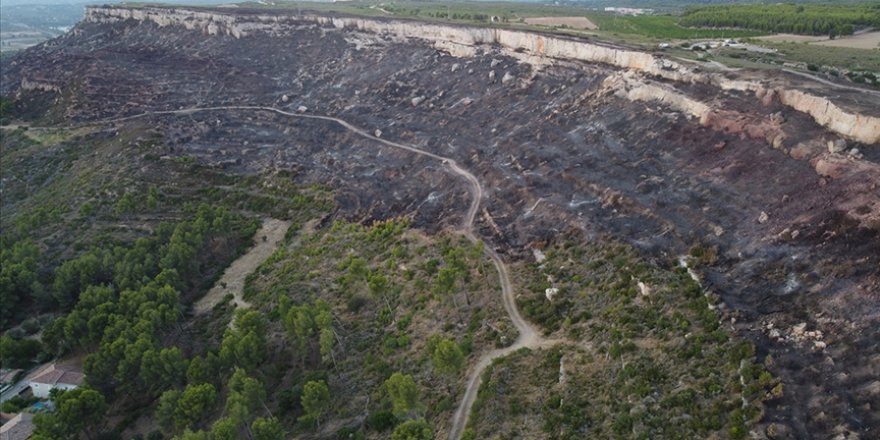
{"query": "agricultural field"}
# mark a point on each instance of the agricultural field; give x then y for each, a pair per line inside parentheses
(572, 22)
(661, 27)
(866, 40)
(790, 18)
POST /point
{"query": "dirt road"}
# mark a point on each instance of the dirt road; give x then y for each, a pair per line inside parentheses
(233, 277)
(528, 336)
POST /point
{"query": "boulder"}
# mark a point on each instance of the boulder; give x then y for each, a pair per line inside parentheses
(837, 146)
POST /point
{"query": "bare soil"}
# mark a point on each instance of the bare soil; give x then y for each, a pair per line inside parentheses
(266, 241)
(572, 22)
(867, 40)
(793, 38)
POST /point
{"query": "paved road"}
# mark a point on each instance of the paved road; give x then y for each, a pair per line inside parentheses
(528, 336)
(22, 384)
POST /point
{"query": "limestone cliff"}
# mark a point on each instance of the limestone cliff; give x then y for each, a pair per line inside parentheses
(539, 48)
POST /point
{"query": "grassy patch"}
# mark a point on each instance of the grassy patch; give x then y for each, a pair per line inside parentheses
(661, 27)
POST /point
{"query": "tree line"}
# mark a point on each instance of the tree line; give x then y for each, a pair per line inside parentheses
(789, 18)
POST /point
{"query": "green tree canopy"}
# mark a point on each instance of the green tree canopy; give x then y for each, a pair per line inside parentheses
(404, 394)
(246, 397)
(195, 403)
(316, 399)
(224, 429)
(413, 430)
(80, 410)
(447, 357)
(267, 429)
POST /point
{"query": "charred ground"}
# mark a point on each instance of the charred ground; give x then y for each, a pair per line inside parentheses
(557, 151)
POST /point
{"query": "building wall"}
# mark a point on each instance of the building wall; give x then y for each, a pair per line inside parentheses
(42, 390)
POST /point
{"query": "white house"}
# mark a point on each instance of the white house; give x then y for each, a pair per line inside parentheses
(55, 377)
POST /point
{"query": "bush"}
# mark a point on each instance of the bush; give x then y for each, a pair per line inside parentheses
(381, 421)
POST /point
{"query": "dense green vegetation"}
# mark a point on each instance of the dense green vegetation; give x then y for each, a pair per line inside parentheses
(790, 18)
(103, 247)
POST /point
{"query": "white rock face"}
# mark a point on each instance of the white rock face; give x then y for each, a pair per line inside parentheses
(462, 41)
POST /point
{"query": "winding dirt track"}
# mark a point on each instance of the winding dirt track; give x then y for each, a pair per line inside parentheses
(266, 240)
(528, 336)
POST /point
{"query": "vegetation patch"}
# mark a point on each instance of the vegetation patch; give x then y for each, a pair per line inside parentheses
(789, 18)
(648, 358)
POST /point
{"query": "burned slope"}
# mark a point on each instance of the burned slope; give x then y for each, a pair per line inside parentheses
(557, 147)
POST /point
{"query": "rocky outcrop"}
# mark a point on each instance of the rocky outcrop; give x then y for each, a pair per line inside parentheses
(538, 48)
(43, 86)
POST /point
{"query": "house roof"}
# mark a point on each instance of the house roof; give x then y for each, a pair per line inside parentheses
(19, 428)
(54, 375)
(8, 376)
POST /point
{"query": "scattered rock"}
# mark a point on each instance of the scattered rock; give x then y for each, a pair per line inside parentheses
(836, 146)
(779, 141)
(644, 289)
(494, 63)
(763, 218)
(777, 118)
(284, 98)
(550, 293)
(799, 152)
(377, 133)
(507, 78)
(302, 109)
(455, 67)
(417, 100)
(539, 256)
(492, 76)
(828, 168)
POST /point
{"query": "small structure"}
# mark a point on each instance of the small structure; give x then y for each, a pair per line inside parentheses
(55, 377)
(19, 427)
(8, 376)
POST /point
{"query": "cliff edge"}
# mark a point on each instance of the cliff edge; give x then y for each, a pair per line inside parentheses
(530, 47)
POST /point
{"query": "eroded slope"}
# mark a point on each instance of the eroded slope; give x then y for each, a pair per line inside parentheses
(561, 145)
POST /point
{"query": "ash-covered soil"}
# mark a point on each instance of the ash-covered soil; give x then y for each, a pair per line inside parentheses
(555, 150)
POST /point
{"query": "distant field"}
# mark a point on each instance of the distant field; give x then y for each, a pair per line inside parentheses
(572, 22)
(793, 38)
(662, 27)
(842, 57)
(868, 40)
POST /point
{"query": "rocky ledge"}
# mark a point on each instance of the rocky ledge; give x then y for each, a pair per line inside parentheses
(531, 47)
